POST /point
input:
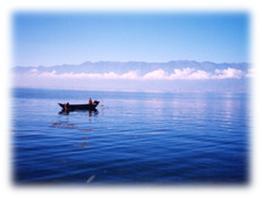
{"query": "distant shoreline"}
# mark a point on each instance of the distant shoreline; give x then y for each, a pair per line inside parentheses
(127, 92)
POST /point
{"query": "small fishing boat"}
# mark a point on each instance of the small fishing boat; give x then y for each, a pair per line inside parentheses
(79, 107)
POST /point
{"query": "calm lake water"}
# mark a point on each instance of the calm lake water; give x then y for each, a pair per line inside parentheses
(134, 138)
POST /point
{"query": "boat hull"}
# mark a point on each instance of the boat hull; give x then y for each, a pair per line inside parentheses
(79, 107)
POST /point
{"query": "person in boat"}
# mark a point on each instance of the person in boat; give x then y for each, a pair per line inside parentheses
(66, 106)
(90, 101)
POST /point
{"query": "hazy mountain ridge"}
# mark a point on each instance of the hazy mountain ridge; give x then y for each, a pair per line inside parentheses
(139, 66)
(172, 76)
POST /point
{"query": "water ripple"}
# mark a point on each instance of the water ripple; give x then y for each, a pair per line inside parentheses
(132, 140)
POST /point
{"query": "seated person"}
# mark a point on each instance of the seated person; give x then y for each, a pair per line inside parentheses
(90, 101)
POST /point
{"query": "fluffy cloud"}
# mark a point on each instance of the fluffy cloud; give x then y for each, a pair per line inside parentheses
(189, 74)
(131, 75)
(159, 74)
(228, 73)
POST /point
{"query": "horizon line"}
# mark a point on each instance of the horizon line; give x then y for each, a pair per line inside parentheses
(131, 91)
(136, 61)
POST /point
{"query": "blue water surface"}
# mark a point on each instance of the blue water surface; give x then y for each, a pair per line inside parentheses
(134, 138)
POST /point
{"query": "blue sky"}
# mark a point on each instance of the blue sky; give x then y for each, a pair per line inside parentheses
(72, 38)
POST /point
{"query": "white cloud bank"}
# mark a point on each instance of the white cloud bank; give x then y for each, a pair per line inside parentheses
(159, 74)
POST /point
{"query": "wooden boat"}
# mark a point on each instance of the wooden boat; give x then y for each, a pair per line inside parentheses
(79, 107)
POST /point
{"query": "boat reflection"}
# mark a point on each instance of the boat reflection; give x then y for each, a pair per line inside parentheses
(90, 112)
(93, 113)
